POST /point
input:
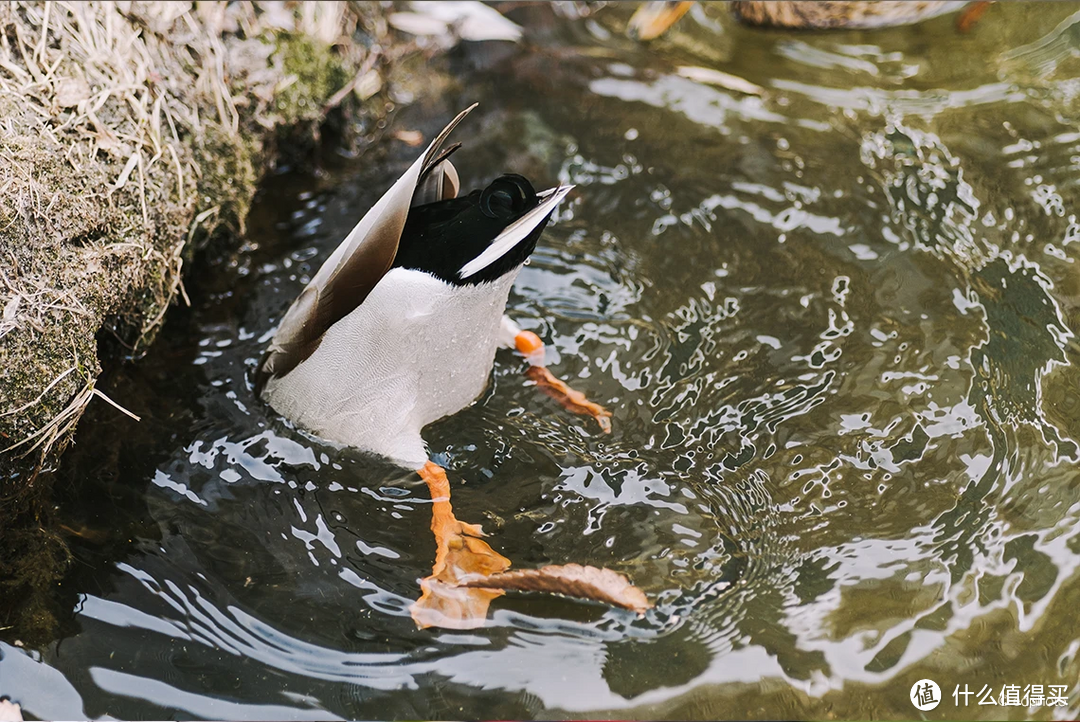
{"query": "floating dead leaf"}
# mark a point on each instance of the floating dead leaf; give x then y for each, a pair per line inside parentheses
(709, 76)
(572, 580)
(410, 138)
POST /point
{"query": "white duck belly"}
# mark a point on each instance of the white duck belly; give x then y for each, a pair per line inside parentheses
(415, 350)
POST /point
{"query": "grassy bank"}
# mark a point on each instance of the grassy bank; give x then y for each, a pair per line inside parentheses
(130, 134)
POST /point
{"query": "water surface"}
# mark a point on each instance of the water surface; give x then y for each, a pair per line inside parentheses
(833, 322)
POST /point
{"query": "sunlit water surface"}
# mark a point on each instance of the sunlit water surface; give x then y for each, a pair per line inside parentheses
(833, 322)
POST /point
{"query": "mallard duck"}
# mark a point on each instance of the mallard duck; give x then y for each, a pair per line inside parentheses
(399, 328)
(653, 19)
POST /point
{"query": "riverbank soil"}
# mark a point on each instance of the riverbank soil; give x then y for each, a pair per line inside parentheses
(131, 134)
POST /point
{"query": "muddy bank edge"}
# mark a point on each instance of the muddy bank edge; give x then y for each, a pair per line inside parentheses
(129, 134)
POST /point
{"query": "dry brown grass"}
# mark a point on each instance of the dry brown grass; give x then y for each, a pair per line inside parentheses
(128, 131)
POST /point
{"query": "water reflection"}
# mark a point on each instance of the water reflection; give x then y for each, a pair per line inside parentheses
(833, 323)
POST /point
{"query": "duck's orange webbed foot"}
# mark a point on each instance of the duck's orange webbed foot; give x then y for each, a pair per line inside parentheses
(459, 553)
(531, 347)
(468, 573)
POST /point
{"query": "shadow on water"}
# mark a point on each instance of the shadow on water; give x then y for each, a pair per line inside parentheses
(833, 323)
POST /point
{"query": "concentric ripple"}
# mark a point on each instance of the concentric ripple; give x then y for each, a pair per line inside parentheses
(833, 318)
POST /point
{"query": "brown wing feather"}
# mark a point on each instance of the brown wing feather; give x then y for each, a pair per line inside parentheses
(439, 183)
(347, 277)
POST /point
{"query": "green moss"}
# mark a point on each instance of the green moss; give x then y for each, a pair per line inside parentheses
(227, 184)
(92, 259)
(318, 74)
(37, 559)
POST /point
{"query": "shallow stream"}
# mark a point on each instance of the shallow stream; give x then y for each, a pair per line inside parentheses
(833, 319)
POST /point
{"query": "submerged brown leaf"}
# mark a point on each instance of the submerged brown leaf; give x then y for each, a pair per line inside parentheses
(468, 573)
(572, 580)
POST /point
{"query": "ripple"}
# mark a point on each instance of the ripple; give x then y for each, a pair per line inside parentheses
(834, 323)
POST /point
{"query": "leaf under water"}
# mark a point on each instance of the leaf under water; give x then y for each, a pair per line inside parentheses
(468, 573)
(572, 580)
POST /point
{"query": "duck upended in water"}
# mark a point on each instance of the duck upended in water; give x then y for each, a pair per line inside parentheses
(399, 328)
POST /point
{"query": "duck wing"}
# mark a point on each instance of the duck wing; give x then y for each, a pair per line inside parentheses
(440, 182)
(360, 262)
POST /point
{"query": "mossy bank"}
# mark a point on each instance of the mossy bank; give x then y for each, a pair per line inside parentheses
(129, 134)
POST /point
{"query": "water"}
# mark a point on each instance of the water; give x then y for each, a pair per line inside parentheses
(833, 323)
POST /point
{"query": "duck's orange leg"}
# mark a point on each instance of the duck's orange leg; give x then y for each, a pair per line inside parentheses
(529, 345)
(459, 553)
